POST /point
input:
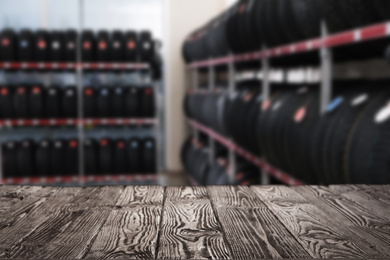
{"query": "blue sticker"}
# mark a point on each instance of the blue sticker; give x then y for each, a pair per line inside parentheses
(334, 104)
(24, 44)
(104, 92)
(118, 91)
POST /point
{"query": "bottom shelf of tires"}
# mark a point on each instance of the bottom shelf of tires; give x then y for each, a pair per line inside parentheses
(348, 144)
(57, 161)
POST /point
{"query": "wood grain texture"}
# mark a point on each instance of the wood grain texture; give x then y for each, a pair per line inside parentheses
(321, 234)
(70, 225)
(363, 222)
(251, 229)
(189, 228)
(152, 222)
(131, 229)
(364, 198)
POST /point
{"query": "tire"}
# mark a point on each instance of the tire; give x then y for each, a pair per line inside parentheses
(359, 12)
(367, 154)
(383, 8)
(335, 139)
(334, 17)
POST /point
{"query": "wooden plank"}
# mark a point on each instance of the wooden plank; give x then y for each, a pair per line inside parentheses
(4, 189)
(22, 200)
(321, 234)
(360, 220)
(380, 192)
(364, 197)
(24, 218)
(251, 229)
(70, 225)
(189, 228)
(131, 229)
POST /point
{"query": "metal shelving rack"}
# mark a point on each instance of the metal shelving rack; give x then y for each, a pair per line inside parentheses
(324, 45)
(80, 122)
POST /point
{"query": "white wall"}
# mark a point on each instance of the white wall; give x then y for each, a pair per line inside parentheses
(181, 17)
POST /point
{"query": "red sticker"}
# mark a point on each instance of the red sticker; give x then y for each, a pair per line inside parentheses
(88, 92)
(266, 105)
(21, 90)
(102, 45)
(41, 44)
(131, 45)
(300, 114)
(242, 8)
(248, 97)
(73, 144)
(36, 90)
(4, 91)
(103, 142)
(87, 45)
(5, 42)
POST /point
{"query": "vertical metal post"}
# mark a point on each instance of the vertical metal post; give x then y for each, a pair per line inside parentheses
(232, 154)
(80, 112)
(266, 92)
(195, 78)
(326, 72)
(211, 74)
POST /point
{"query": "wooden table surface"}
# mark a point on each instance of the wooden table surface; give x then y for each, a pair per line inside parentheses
(150, 222)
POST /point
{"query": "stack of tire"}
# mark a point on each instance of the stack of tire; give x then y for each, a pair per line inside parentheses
(349, 144)
(251, 24)
(57, 46)
(60, 157)
(35, 101)
(195, 157)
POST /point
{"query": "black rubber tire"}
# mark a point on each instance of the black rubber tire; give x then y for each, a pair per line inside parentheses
(120, 157)
(134, 155)
(72, 157)
(57, 158)
(53, 102)
(90, 157)
(105, 156)
(359, 12)
(10, 159)
(6, 102)
(307, 14)
(36, 101)
(149, 164)
(382, 7)
(26, 156)
(335, 139)
(367, 154)
(334, 16)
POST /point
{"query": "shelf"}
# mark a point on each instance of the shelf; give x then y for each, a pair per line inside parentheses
(76, 179)
(72, 65)
(269, 169)
(73, 122)
(353, 36)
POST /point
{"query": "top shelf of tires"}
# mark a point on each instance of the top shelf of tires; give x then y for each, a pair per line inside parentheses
(56, 50)
(289, 27)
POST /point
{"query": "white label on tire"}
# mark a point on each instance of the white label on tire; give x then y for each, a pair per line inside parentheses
(277, 105)
(383, 115)
(303, 90)
(359, 100)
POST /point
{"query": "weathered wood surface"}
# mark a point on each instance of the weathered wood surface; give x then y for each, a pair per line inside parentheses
(216, 222)
(189, 228)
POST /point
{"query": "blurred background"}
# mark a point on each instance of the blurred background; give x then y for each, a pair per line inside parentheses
(178, 92)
